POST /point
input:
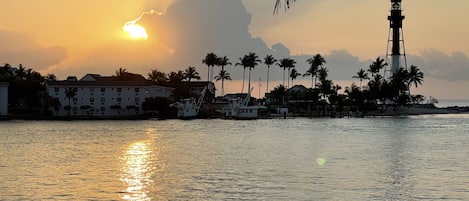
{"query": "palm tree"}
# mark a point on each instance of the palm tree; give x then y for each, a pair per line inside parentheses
(176, 77)
(269, 60)
(223, 61)
(362, 75)
(376, 66)
(121, 74)
(69, 94)
(293, 75)
(415, 77)
(50, 77)
(253, 61)
(191, 73)
(5, 72)
(243, 61)
(157, 76)
(211, 59)
(279, 94)
(278, 5)
(315, 62)
(20, 73)
(223, 75)
(398, 83)
(286, 63)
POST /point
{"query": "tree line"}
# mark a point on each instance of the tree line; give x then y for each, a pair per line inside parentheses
(27, 87)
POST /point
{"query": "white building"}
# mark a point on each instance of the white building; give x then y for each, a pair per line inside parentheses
(99, 96)
(3, 98)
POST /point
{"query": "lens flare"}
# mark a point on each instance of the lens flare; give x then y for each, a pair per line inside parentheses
(321, 161)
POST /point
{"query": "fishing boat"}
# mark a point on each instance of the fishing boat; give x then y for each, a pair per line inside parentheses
(238, 108)
(189, 108)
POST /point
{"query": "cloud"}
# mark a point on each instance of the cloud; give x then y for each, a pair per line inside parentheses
(19, 48)
(452, 67)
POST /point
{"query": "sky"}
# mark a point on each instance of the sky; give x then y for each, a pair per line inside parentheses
(79, 37)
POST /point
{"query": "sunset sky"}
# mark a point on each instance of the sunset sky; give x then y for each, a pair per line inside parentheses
(79, 37)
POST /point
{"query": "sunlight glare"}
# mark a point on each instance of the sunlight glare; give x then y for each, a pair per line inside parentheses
(135, 31)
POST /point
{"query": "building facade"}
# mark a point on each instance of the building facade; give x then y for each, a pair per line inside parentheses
(3, 98)
(99, 96)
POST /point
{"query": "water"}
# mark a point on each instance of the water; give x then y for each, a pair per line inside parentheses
(414, 158)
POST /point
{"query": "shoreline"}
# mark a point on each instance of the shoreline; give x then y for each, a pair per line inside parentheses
(388, 112)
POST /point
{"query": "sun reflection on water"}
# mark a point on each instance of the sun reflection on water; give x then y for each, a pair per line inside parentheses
(139, 164)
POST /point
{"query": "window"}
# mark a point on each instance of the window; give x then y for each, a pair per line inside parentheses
(119, 99)
(137, 90)
(137, 100)
(91, 100)
(119, 90)
(103, 109)
(56, 89)
(75, 100)
(91, 90)
(102, 100)
(103, 90)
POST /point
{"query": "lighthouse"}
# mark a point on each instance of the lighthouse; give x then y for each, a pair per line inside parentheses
(396, 37)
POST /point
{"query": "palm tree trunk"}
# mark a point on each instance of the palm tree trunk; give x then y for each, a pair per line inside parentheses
(267, 88)
(244, 73)
(315, 80)
(249, 82)
(312, 81)
(223, 86)
(283, 77)
(211, 78)
(208, 74)
(288, 79)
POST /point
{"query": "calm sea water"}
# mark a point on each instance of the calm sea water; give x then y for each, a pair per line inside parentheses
(413, 158)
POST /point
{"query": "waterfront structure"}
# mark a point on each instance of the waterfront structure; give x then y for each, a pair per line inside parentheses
(396, 38)
(3, 98)
(102, 96)
(189, 108)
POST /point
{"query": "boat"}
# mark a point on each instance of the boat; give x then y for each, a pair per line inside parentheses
(239, 109)
(189, 108)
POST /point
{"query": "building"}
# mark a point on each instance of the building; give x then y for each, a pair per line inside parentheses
(3, 98)
(102, 96)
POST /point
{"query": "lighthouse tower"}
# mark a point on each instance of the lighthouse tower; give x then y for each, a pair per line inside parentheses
(396, 38)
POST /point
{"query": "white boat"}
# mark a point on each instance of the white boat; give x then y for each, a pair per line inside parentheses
(239, 109)
(189, 108)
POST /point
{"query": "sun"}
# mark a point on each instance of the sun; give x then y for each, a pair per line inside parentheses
(135, 31)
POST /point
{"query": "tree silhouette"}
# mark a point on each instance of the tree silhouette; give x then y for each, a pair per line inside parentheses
(376, 66)
(223, 75)
(244, 62)
(223, 61)
(69, 94)
(286, 63)
(293, 75)
(278, 5)
(176, 77)
(315, 62)
(269, 60)
(211, 59)
(361, 75)
(252, 61)
(415, 77)
(121, 74)
(157, 76)
(191, 73)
